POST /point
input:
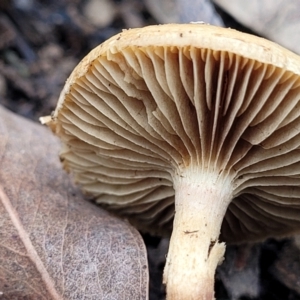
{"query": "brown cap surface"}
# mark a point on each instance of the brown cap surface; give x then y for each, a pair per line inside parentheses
(149, 102)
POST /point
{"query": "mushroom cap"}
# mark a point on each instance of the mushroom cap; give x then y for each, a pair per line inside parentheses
(149, 102)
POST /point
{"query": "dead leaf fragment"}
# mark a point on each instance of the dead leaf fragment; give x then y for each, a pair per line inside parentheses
(277, 20)
(53, 244)
(184, 11)
(240, 271)
(286, 268)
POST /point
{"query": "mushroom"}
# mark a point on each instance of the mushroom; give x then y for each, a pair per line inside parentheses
(190, 129)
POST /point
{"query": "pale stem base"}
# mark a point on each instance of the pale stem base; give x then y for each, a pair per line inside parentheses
(201, 201)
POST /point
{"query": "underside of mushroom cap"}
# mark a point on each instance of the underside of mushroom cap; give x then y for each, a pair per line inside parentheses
(149, 102)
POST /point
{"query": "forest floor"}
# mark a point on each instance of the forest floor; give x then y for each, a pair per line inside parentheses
(41, 42)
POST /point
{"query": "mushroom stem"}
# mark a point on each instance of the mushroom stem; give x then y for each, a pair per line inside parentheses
(201, 200)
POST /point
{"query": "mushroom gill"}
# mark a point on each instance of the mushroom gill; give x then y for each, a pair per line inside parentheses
(196, 115)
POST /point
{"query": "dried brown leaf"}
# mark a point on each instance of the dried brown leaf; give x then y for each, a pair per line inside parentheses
(53, 244)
